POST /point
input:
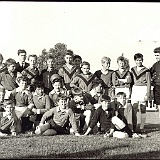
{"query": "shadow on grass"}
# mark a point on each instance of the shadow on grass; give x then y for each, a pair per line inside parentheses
(98, 154)
(84, 154)
(152, 127)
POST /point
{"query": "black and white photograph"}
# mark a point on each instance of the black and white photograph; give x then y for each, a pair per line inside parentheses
(79, 80)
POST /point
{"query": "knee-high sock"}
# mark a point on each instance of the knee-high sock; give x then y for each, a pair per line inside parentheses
(143, 120)
(158, 110)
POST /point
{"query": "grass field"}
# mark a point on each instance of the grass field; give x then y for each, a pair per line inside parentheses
(89, 147)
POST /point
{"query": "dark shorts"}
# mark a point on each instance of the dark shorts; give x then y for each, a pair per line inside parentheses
(156, 93)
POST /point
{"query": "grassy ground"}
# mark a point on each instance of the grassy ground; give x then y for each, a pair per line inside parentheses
(89, 147)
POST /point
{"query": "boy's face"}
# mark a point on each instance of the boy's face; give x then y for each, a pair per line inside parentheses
(105, 65)
(78, 98)
(2, 96)
(77, 62)
(157, 55)
(23, 84)
(32, 61)
(1, 60)
(68, 59)
(105, 104)
(99, 88)
(39, 91)
(121, 99)
(9, 108)
(85, 69)
(50, 63)
(62, 103)
(139, 62)
(11, 68)
(121, 64)
(56, 85)
(22, 57)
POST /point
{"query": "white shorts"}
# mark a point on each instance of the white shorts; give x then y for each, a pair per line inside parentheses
(138, 93)
(125, 90)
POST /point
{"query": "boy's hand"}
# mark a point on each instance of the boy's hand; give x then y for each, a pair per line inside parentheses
(107, 135)
(14, 134)
(77, 134)
(38, 130)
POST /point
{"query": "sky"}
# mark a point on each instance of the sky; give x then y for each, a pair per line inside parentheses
(91, 29)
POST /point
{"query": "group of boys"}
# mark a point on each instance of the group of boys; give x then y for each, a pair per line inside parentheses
(72, 100)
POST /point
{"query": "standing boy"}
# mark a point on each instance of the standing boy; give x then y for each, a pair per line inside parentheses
(84, 79)
(22, 64)
(140, 91)
(32, 71)
(77, 60)
(155, 75)
(105, 74)
(121, 78)
(68, 70)
(47, 73)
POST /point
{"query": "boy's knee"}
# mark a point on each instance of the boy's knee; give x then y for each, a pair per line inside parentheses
(143, 108)
(50, 132)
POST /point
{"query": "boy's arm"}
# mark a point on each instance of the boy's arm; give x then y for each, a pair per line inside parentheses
(93, 122)
(72, 120)
(48, 103)
(148, 78)
(61, 72)
(47, 115)
(30, 101)
(114, 79)
(74, 82)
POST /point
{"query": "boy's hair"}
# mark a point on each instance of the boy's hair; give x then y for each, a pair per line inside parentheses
(61, 97)
(1, 57)
(55, 78)
(157, 50)
(39, 84)
(21, 51)
(23, 78)
(50, 57)
(120, 94)
(7, 102)
(32, 55)
(120, 58)
(104, 59)
(105, 98)
(85, 63)
(138, 55)
(10, 61)
(69, 52)
(96, 82)
(77, 56)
